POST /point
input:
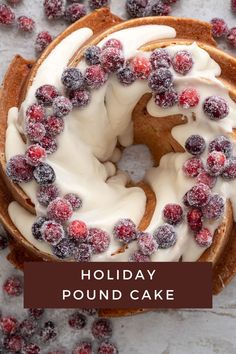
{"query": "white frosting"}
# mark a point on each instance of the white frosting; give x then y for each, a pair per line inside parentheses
(91, 135)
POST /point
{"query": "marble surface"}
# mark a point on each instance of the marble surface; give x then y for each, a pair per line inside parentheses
(161, 332)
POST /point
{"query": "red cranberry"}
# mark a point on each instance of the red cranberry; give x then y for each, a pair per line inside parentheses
(92, 55)
(43, 39)
(141, 67)
(35, 131)
(44, 174)
(13, 286)
(215, 208)
(74, 200)
(112, 59)
(46, 94)
(182, 62)
(160, 9)
(8, 325)
(7, 16)
(229, 172)
(192, 167)
(165, 236)
(60, 210)
(194, 218)
(207, 179)
(189, 98)
(64, 249)
(147, 243)
(166, 99)
(14, 344)
(74, 12)
(233, 5)
(102, 328)
(231, 37)
(36, 313)
(35, 154)
(61, 106)
(52, 232)
(46, 194)
(107, 348)
(25, 24)
(72, 78)
(35, 113)
(215, 163)
(18, 170)
(3, 242)
(195, 145)
(204, 238)
(98, 239)
(223, 144)
(54, 126)
(77, 320)
(199, 195)
(83, 253)
(83, 348)
(125, 230)
(30, 348)
(48, 332)
(78, 231)
(160, 58)
(126, 76)
(219, 27)
(97, 4)
(139, 257)
(95, 77)
(173, 214)
(160, 80)
(28, 328)
(36, 228)
(54, 8)
(80, 98)
(136, 8)
(216, 108)
(112, 42)
(49, 144)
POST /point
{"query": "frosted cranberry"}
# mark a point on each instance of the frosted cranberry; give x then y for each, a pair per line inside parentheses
(49, 144)
(74, 200)
(97, 4)
(136, 8)
(223, 144)
(160, 9)
(83, 253)
(92, 55)
(233, 5)
(35, 131)
(173, 213)
(199, 195)
(189, 98)
(61, 106)
(102, 328)
(98, 239)
(72, 78)
(78, 231)
(60, 210)
(18, 170)
(216, 108)
(44, 174)
(204, 238)
(8, 325)
(64, 249)
(95, 77)
(13, 286)
(14, 344)
(107, 348)
(229, 172)
(30, 348)
(215, 163)
(207, 179)
(83, 348)
(195, 145)
(25, 24)
(46, 194)
(139, 257)
(7, 16)
(192, 167)
(112, 59)
(35, 113)
(195, 218)
(77, 320)
(147, 243)
(48, 332)
(125, 230)
(35, 154)
(165, 236)
(182, 62)
(112, 42)
(52, 232)
(74, 12)
(126, 76)
(46, 94)
(28, 328)
(43, 39)
(80, 98)
(166, 99)
(160, 58)
(160, 80)
(141, 67)
(215, 208)
(219, 27)
(36, 227)
(54, 126)
(36, 313)
(54, 8)
(231, 37)
(3, 242)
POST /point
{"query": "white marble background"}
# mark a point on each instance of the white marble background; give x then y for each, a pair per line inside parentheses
(161, 332)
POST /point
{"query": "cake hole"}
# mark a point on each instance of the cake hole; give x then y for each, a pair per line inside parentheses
(136, 160)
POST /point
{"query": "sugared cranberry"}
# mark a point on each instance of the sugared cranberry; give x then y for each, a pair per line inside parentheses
(160, 59)
(25, 24)
(192, 167)
(139, 257)
(126, 76)
(74, 200)
(80, 98)
(233, 5)
(125, 230)
(46, 94)
(215, 163)
(204, 238)
(194, 218)
(52, 232)
(97, 4)
(64, 249)
(195, 145)
(231, 37)
(35, 113)
(216, 108)
(48, 332)
(112, 42)
(92, 55)
(199, 195)
(78, 231)
(35, 132)
(207, 179)
(49, 144)
(219, 27)
(7, 16)
(136, 8)
(98, 239)
(83, 253)
(160, 80)
(107, 348)
(44, 174)
(35, 154)
(61, 106)
(54, 8)
(165, 236)
(147, 243)
(72, 78)
(95, 77)
(102, 328)
(30, 348)
(77, 320)
(215, 208)
(173, 214)
(74, 12)
(36, 227)
(83, 348)
(8, 325)
(46, 194)
(229, 172)
(13, 286)
(112, 59)
(182, 62)
(141, 67)
(28, 328)
(14, 344)
(18, 170)
(36, 313)
(60, 210)
(166, 99)
(43, 39)
(189, 98)
(160, 9)
(3, 242)
(54, 126)
(223, 144)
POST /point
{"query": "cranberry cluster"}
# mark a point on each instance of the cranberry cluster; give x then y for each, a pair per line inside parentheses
(142, 8)
(221, 30)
